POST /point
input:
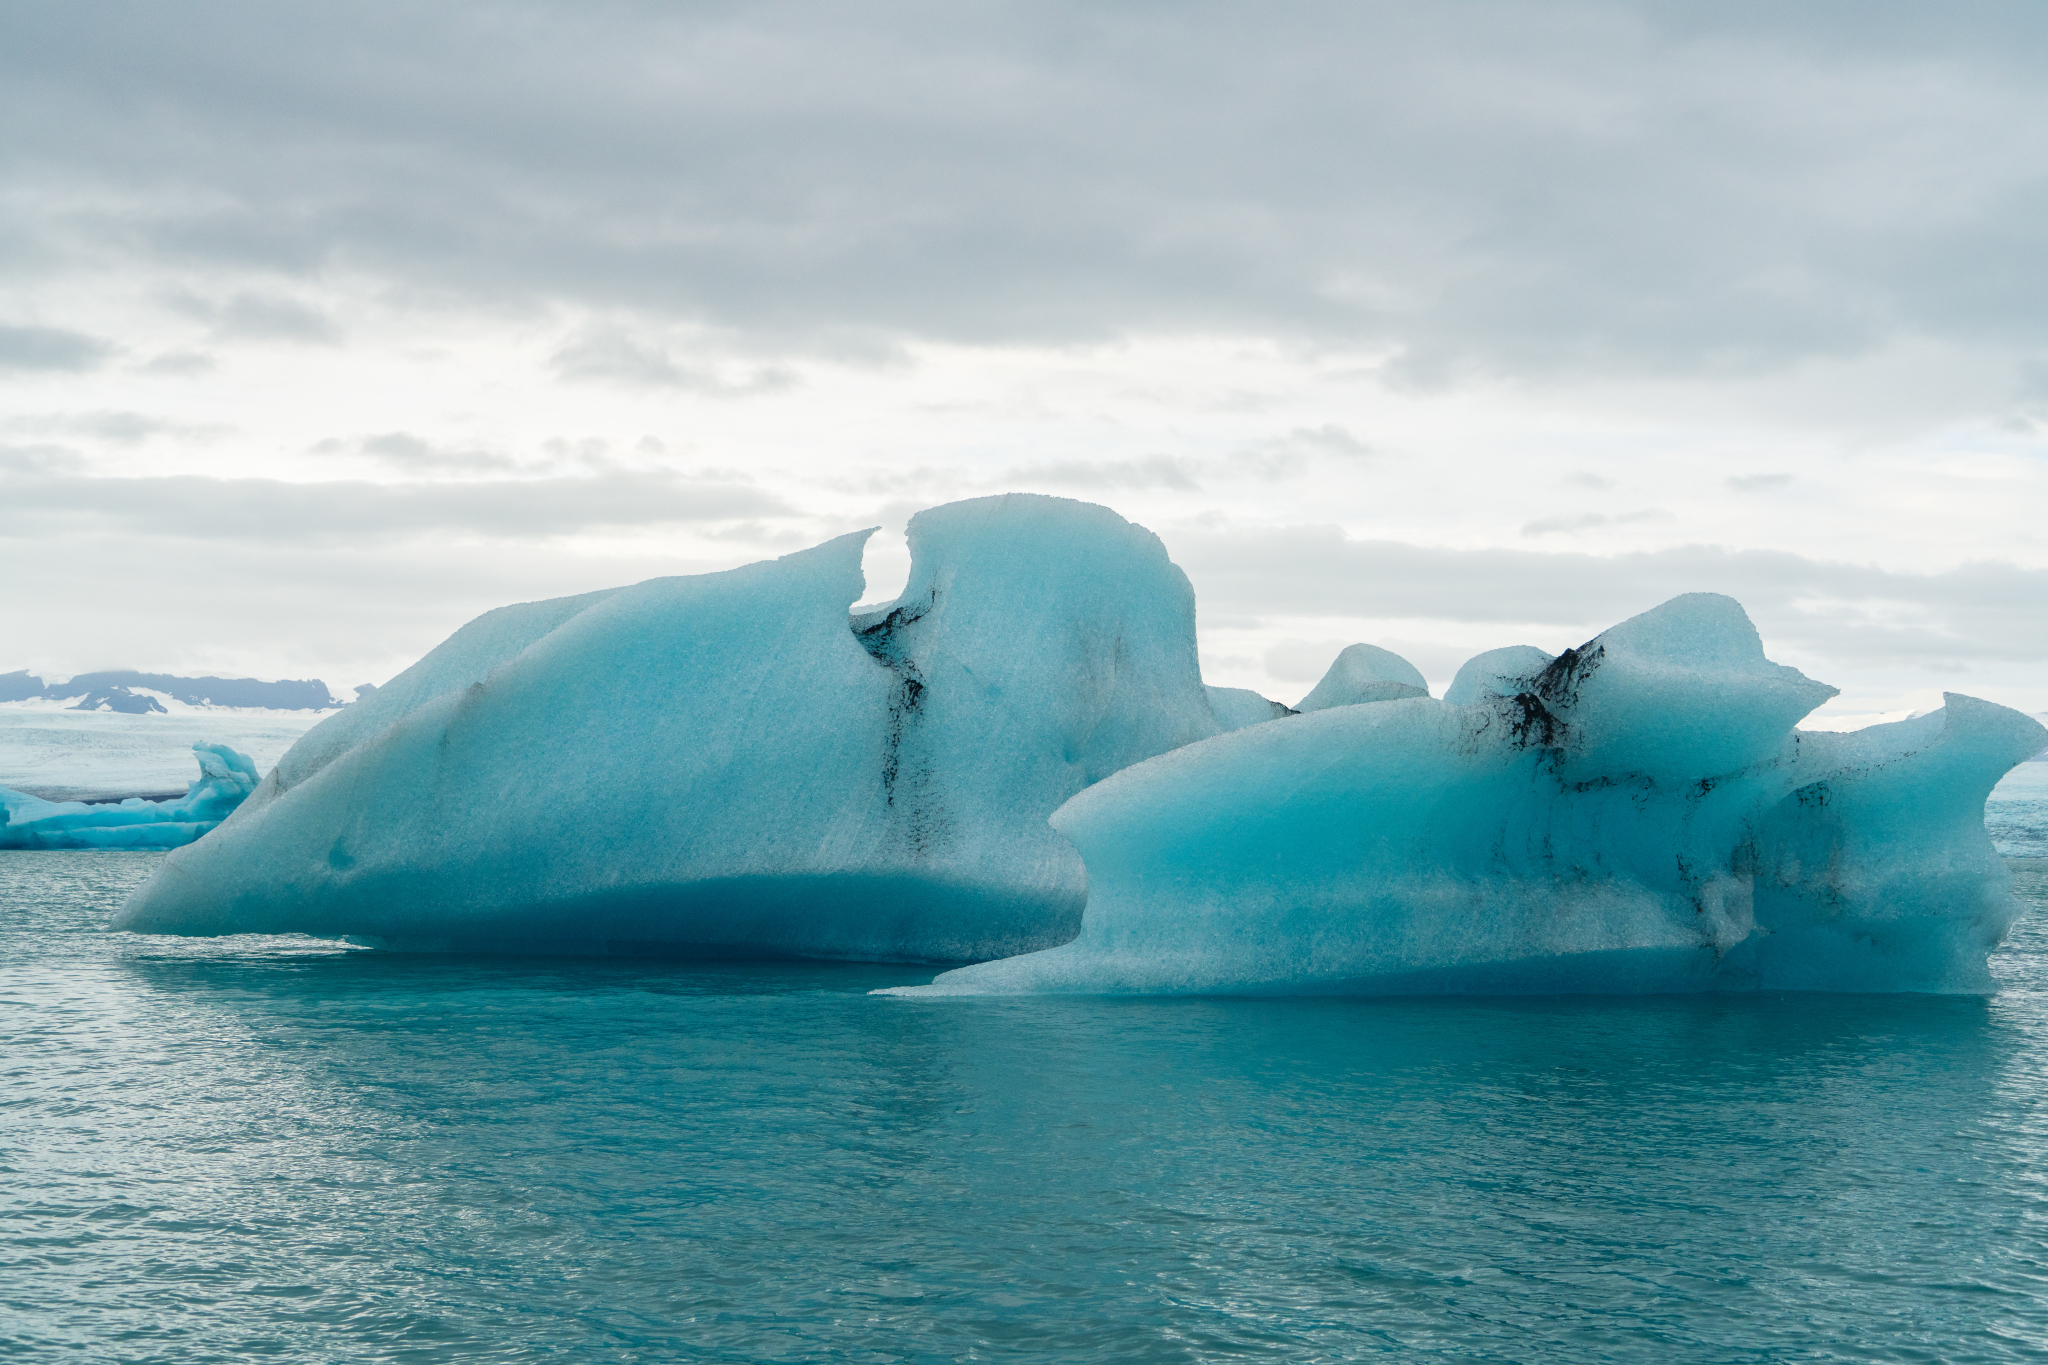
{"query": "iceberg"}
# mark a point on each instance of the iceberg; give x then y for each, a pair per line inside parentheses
(226, 778)
(1016, 765)
(1364, 673)
(1635, 815)
(731, 763)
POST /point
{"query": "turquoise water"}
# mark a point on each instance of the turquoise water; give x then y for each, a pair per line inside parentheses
(275, 1150)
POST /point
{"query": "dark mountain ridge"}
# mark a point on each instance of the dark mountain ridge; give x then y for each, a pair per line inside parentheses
(113, 691)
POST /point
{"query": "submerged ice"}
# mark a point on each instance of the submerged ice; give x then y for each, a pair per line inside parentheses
(1016, 765)
(1638, 814)
(225, 780)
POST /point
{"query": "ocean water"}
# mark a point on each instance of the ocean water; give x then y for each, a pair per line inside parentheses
(277, 1150)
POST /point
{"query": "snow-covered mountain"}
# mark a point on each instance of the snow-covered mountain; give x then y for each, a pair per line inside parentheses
(134, 693)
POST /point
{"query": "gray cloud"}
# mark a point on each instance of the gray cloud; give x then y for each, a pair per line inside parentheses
(255, 316)
(1593, 186)
(1571, 523)
(1854, 614)
(1153, 471)
(612, 355)
(1328, 439)
(1758, 483)
(403, 450)
(1302, 660)
(326, 610)
(50, 348)
(39, 457)
(180, 363)
(118, 428)
(1288, 456)
(50, 502)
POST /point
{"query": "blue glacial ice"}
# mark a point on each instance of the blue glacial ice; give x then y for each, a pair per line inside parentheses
(1636, 815)
(1365, 673)
(1237, 707)
(732, 764)
(729, 763)
(1496, 673)
(226, 778)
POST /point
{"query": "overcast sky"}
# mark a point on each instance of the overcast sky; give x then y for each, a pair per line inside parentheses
(1447, 326)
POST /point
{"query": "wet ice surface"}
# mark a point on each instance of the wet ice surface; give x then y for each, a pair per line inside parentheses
(277, 1149)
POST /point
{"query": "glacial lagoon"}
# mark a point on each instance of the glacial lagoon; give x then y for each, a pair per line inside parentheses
(281, 1149)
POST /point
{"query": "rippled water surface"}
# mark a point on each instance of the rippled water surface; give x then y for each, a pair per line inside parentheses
(258, 1149)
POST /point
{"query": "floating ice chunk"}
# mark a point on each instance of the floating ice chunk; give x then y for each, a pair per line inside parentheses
(1364, 673)
(1237, 707)
(1496, 673)
(1642, 818)
(225, 780)
(728, 764)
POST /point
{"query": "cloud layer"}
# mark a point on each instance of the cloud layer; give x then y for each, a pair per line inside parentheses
(1585, 185)
(1457, 319)
(1854, 615)
(273, 512)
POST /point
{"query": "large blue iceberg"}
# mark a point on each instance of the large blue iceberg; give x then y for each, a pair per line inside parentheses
(1636, 815)
(729, 763)
(733, 764)
(225, 780)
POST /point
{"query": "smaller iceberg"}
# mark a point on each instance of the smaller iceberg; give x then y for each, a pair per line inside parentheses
(225, 780)
(1364, 673)
(1639, 814)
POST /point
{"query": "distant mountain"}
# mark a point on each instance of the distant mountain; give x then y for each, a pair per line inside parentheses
(127, 690)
